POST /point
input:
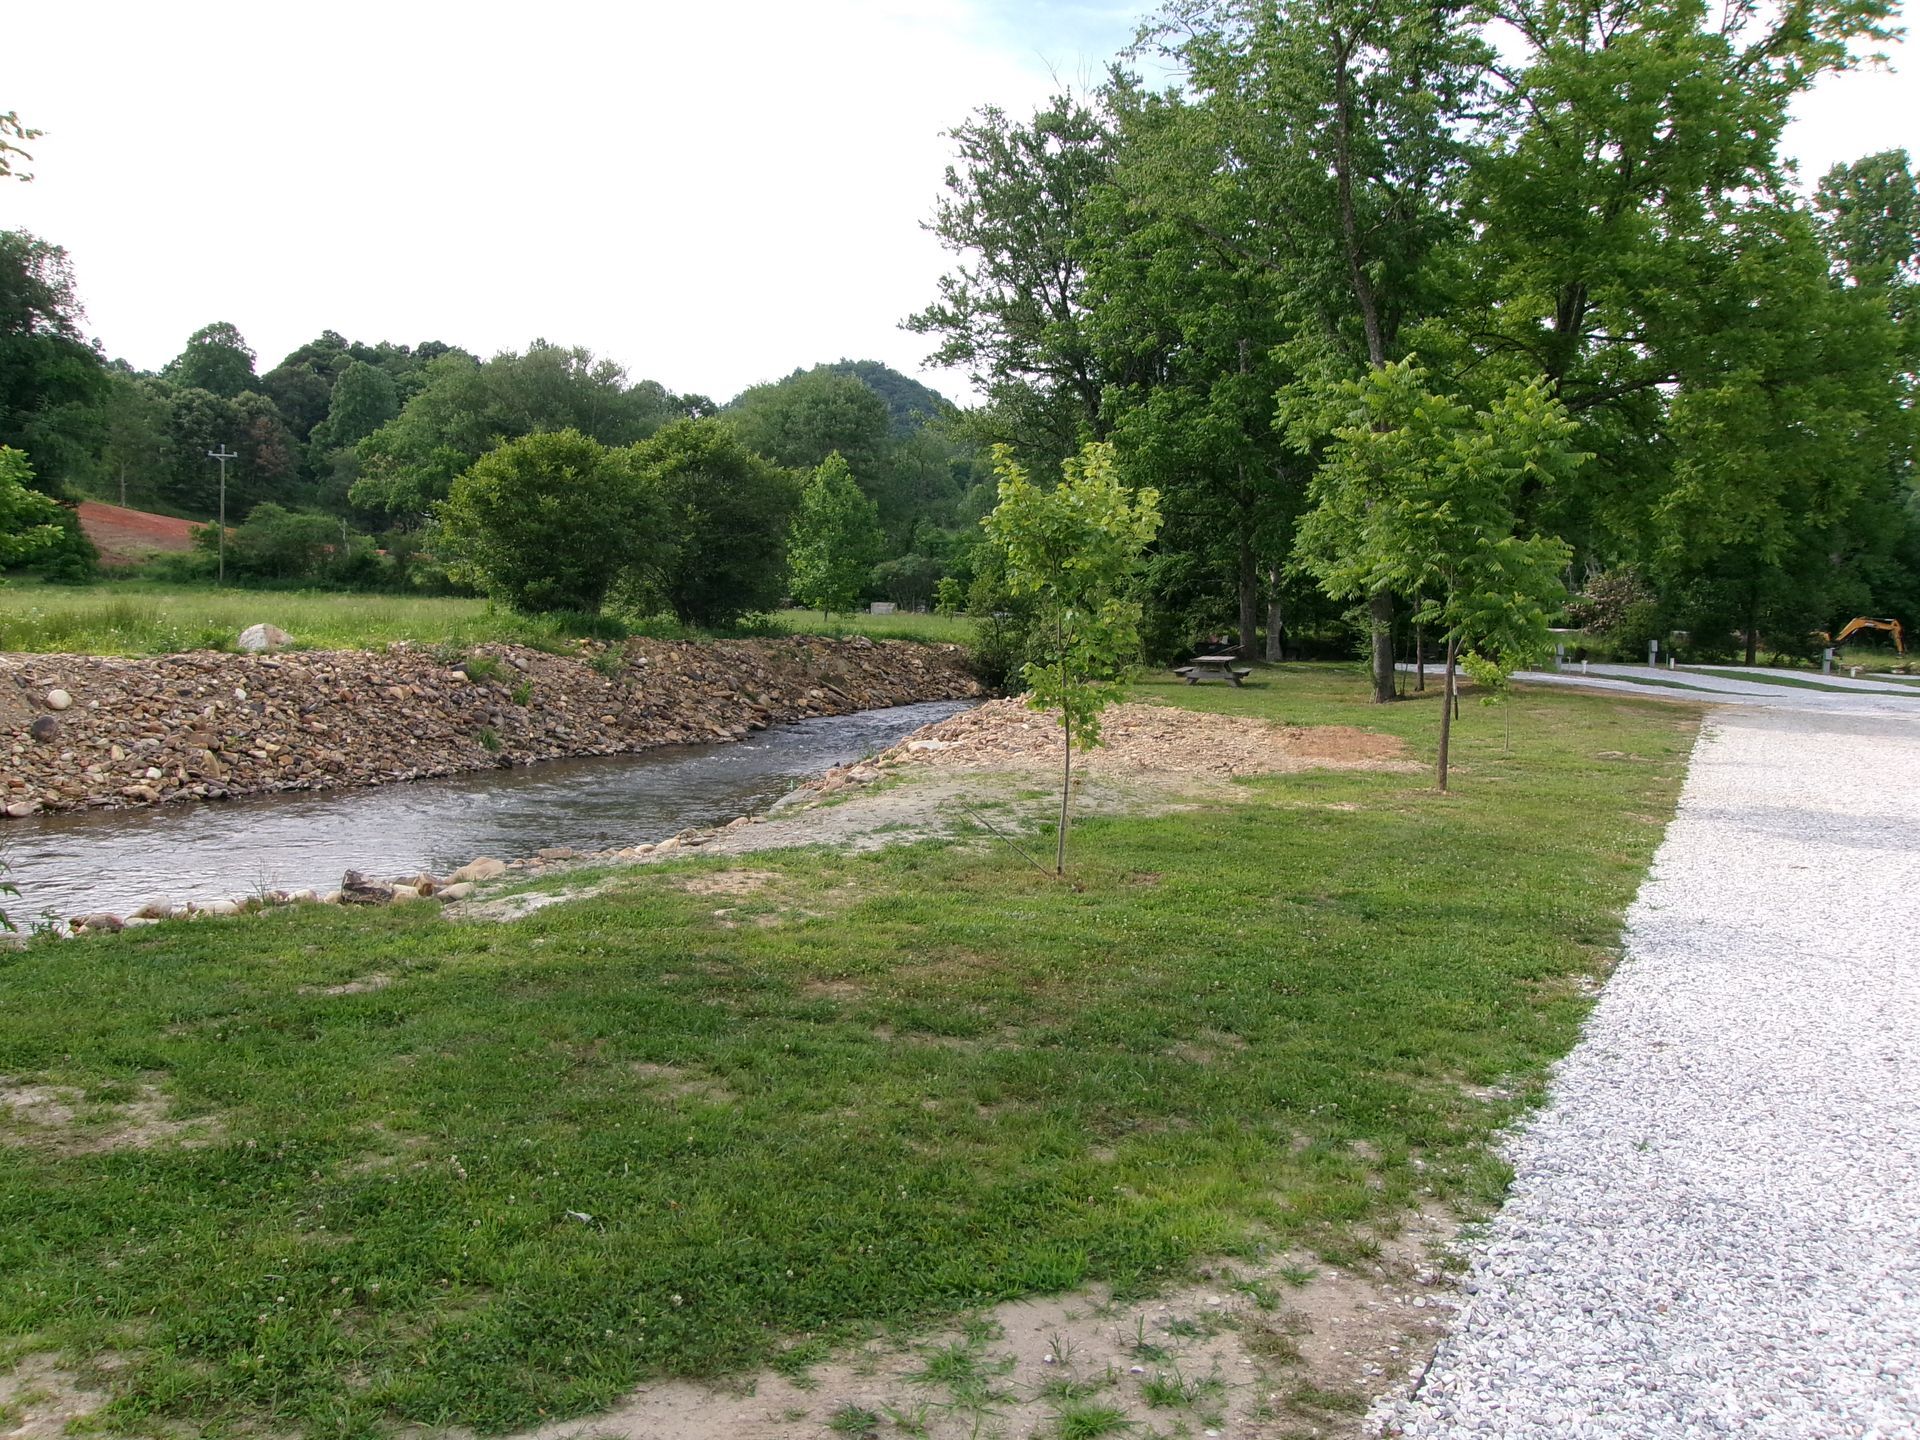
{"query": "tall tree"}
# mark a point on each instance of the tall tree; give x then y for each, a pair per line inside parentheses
(217, 359)
(52, 378)
(466, 409)
(1344, 126)
(1013, 311)
(836, 539)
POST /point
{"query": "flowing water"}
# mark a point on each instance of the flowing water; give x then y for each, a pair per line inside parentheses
(117, 859)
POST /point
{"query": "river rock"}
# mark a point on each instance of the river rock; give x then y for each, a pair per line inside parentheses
(484, 868)
(356, 889)
(457, 891)
(21, 809)
(58, 699)
(257, 639)
(101, 922)
(218, 725)
(217, 907)
(158, 908)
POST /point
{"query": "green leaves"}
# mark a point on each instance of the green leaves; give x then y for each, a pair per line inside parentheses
(29, 521)
(1417, 496)
(836, 539)
(549, 521)
(1073, 550)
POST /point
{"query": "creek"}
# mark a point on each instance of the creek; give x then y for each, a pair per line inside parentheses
(72, 864)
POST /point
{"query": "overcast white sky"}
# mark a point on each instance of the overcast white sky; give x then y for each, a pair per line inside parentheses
(710, 194)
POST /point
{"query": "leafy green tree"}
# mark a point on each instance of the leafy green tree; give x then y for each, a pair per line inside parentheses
(1323, 145)
(29, 521)
(549, 521)
(1417, 495)
(836, 539)
(464, 409)
(1074, 551)
(53, 381)
(1013, 310)
(217, 359)
(135, 451)
(726, 515)
(363, 399)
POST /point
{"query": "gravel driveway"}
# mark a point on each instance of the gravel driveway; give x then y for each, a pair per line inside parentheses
(1714, 1227)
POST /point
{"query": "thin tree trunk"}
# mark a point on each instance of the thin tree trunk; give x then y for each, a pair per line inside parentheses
(1066, 770)
(1276, 621)
(1446, 712)
(1380, 613)
(1419, 650)
(1249, 586)
(123, 484)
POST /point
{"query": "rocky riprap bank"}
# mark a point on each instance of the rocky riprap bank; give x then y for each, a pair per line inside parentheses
(91, 732)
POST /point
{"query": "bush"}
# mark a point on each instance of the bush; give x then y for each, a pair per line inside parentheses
(549, 522)
(727, 515)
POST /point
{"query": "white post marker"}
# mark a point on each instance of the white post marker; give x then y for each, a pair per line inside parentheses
(1826, 661)
(1653, 653)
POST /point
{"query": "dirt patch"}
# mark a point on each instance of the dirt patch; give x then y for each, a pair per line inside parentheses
(126, 537)
(677, 1084)
(61, 1117)
(1295, 1348)
(365, 985)
(39, 1399)
(727, 882)
(1149, 738)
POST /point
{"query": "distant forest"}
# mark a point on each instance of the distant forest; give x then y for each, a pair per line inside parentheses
(372, 436)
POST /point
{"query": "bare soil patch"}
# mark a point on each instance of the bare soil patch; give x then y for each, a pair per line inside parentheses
(126, 537)
(61, 1116)
(1294, 1348)
(40, 1400)
(1149, 738)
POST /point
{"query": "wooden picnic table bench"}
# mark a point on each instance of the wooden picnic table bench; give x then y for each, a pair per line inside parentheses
(1214, 667)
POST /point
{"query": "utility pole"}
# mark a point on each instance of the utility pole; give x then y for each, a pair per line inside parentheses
(223, 455)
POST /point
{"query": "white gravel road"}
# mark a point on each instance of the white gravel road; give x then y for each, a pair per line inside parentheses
(1714, 1227)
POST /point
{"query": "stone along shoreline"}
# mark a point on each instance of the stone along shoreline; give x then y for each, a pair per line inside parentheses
(93, 732)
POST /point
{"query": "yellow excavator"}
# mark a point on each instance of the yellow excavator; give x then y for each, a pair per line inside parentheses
(1867, 622)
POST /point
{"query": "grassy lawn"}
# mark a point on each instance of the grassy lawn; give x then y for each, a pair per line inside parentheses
(624, 1138)
(146, 618)
(955, 629)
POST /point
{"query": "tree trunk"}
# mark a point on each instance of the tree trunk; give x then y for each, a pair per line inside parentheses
(1446, 712)
(1066, 769)
(123, 484)
(1276, 621)
(1380, 612)
(1419, 656)
(1249, 589)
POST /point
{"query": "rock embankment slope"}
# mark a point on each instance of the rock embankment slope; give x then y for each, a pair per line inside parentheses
(82, 731)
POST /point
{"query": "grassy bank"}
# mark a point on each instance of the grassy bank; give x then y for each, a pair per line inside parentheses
(532, 1164)
(145, 618)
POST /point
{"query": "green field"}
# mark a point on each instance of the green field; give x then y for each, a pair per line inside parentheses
(933, 1079)
(144, 618)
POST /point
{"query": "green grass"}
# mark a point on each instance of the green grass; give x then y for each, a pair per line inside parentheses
(617, 1140)
(954, 629)
(149, 618)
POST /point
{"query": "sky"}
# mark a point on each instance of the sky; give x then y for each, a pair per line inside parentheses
(711, 195)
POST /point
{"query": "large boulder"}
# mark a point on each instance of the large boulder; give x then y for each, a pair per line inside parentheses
(259, 638)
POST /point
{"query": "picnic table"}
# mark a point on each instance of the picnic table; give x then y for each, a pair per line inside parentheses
(1214, 667)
